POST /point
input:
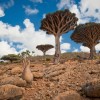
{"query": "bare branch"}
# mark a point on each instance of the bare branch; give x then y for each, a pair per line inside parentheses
(59, 22)
(88, 34)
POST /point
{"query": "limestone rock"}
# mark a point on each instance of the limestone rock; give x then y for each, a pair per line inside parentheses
(37, 75)
(69, 95)
(16, 70)
(13, 80)
(11, 92)
(92, 89)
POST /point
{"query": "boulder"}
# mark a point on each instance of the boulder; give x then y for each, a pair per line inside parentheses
(16, 70)
(69, 95)
(37, 74)
(92, 89)
(13, 80)
(11, 92)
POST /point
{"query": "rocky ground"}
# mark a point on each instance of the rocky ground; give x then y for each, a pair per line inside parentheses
(72, 80)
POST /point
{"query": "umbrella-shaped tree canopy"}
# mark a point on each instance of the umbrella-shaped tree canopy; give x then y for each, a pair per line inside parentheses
(89, 35)
(44, 48)
(58, 23)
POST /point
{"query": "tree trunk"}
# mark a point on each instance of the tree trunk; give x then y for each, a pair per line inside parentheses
(44, 55)
(92, 52)
(11, 61)
(57, 50)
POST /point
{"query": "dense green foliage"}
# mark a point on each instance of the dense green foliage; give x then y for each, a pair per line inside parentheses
(11, 57)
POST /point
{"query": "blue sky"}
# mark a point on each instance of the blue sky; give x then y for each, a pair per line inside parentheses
(20, 21)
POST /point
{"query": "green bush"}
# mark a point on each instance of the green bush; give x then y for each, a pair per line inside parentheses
(11, 57)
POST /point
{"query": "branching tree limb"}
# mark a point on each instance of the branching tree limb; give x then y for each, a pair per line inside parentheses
(89, 35)
(57, 24)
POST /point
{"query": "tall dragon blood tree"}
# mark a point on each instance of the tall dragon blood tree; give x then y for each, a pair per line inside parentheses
(58, 23)
(44, 48)
(89, 35)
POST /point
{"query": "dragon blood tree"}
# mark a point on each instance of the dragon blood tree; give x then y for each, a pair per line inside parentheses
(89, 35)
(44, 48)
(57, 24)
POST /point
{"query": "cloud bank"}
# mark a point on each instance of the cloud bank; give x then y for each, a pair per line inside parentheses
(26, 38)
(86, 10)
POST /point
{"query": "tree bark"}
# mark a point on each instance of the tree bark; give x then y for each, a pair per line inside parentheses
(92, 52)
(57, 50)
(44, 55)
(11, 61)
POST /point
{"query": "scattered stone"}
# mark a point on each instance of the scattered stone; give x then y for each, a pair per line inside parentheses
(69, 95)
(16, 70)
(92, 89)
(54, 74)
(13, 80)
(11, 92)
(94, 72)
(37, 75)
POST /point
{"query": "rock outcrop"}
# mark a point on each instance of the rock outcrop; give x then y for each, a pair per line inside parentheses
(13, 80)
(92, 89)
(69, 95)
(11, 92)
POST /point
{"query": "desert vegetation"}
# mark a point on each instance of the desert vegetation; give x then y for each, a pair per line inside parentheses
(36, 80)
(10, 57)
(57, 24)
(44, 48)
(89, 35)
(70, 76)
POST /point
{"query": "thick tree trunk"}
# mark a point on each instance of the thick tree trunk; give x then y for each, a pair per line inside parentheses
(44, 55)
(92, 52)
(11, 61)
(57, 50)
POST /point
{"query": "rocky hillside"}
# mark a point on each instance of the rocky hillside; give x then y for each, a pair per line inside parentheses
(72, 80)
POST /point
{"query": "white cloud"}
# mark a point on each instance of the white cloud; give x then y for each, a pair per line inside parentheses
(64, 4)
(6, 49)
(97, 47)
(8, 4)
(40, 1)
(51, 51)
(65, 46)
(75, 50)
(91, 8)
(82, 19)
(28, 38)
(4, 6)
(84, 49)
(30, 11)
(86, 10)
(63, 51)
(2, 12)
(44, 15)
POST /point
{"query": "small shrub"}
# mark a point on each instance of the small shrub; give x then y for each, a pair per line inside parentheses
(48, 59)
